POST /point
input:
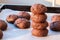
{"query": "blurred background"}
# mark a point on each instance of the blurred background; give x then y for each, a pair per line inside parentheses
(30, 2)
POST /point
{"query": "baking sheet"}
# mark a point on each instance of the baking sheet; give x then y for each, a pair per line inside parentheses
(13, 33)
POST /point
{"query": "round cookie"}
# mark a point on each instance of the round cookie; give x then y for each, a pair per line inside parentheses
(55, 26)
(40, 26)
(11, 18)
(24, 14)
(3, 25)
(1, 34)
(39, 18)
(55, 18)
(22, 23)
(38, 9)
(39, 33)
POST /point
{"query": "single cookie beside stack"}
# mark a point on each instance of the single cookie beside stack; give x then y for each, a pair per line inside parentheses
(39, 22)
(55, 24)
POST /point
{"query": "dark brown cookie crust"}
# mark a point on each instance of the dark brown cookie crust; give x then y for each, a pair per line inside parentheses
(3, 25)
(1, 34)
(55, 18)
(55, 26)
(40, 33)
(38, 9)
(39, 18)
(22, 23)
(23, 14)
(40, 26)
(11, 18)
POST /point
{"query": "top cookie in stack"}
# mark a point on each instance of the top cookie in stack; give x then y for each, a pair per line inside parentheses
(38, 9)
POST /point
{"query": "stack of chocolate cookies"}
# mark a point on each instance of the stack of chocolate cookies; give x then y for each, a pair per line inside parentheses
(39, 22)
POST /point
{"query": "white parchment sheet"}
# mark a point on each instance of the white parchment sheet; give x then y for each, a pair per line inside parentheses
(13, 33)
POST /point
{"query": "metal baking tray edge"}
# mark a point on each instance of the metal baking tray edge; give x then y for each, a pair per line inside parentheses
(27, 8)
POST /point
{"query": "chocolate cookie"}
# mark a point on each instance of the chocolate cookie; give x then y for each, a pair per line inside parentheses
(40, 26)
(40, 33)
(24, 14)
(1, 34)
(55, 26)
(11, 18)
(55, 18)
(39, 18)
(22, 23)
(38, 9)
(3, 25)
